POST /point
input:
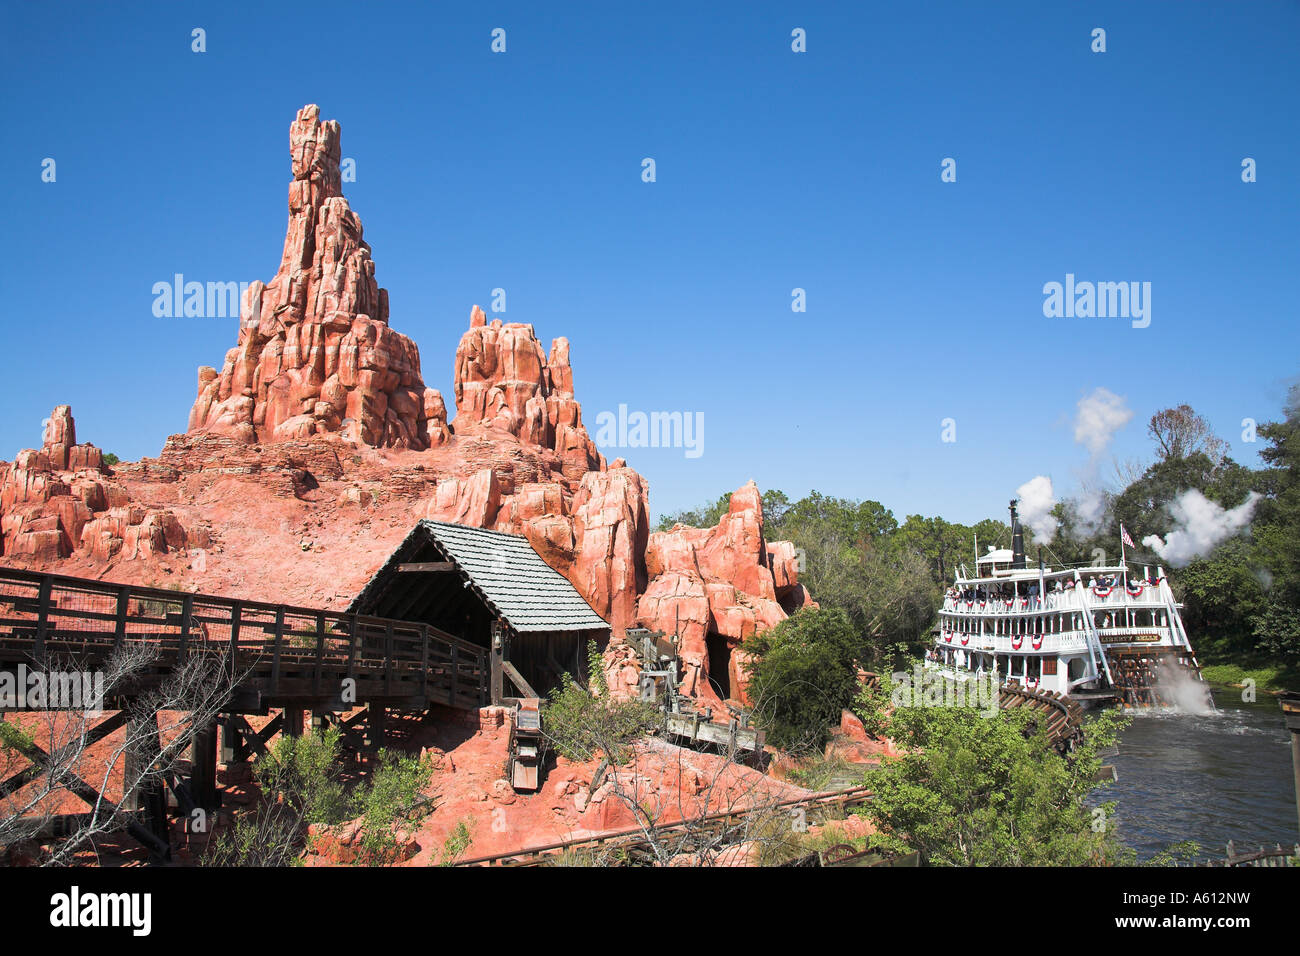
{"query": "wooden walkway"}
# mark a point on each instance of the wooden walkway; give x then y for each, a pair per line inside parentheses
(281, 655)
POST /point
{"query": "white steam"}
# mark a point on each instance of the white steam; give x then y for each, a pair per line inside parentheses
(1200, 526)
(1088, 510)
(1100, 416)
(1036, 504)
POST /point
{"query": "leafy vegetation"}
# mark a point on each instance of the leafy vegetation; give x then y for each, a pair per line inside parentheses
(302, 784)
(802, 676)
(973, 790)
(457, 842)
(582, 724)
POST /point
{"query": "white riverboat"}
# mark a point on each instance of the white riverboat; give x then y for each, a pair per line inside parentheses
(1100, 633)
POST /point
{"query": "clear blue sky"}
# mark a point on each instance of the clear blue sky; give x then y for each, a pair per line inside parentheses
(775, 170)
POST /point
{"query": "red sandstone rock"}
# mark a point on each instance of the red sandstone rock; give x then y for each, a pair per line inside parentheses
(610, 528)
(48, 513)
(315, 354)
(506, 385)
(719, 584)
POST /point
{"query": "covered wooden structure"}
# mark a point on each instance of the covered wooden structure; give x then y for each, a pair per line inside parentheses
(493, 590)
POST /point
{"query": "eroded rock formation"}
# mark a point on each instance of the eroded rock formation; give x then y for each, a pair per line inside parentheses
(715, 587)
(506, 384)
(315, 352)
(59, 501)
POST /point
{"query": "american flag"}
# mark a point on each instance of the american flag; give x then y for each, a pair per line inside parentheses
(1127, 540)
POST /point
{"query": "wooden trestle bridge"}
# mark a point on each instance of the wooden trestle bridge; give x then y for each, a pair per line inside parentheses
(280, 658)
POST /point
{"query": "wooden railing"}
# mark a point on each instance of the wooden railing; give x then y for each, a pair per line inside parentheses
(277, 650)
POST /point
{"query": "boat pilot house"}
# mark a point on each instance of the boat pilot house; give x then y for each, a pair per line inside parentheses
(494, 590)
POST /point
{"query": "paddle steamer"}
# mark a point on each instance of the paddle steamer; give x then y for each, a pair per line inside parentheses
(1099, 634)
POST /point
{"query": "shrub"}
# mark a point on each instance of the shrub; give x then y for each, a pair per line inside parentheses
(803, 675)
(977, 790)
(581, 725)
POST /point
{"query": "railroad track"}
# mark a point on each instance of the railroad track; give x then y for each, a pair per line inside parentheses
(636, 844)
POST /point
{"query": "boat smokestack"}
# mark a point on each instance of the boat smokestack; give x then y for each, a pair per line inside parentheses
(1017, 539)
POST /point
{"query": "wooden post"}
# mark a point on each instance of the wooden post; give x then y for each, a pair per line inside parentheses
(376, 719)
(236, 613)
(203, 763)
(187, 609)
(293, 721)
(320, 651)
(498, 658)
(43, 617)
(229, 739)
(275, 655)
(143, 792)
(119, 628)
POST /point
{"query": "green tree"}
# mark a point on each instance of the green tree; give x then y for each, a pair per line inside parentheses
(803, 674)
(974, 790)
(1277, 534)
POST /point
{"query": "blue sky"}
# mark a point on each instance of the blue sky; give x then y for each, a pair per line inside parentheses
(775, 170)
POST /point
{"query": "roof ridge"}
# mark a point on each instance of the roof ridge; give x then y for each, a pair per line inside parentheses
(466, 527)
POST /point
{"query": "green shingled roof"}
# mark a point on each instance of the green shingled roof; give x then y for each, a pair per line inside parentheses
(506, 570)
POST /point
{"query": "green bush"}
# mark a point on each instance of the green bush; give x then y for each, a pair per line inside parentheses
(977, 790)
(802, 676)
(391, 795)
(304, 772)
(582, 724)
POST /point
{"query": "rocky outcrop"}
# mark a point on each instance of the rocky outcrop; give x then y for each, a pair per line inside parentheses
(715, 587)
(59, 501)
(315, 354)
(505, 384)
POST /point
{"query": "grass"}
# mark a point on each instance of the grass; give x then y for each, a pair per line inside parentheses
(1269, 678)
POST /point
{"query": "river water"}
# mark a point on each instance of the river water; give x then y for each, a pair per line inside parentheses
(1214, 778)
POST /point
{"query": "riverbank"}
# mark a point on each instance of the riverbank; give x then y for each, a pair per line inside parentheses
(1269, 678)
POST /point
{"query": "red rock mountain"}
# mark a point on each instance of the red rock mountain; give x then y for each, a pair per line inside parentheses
(310, 454)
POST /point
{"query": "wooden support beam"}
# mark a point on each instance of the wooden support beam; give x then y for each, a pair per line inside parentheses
(525, 689)
(376, 728)
(203, 767)
(498, 656)
(426, 567)
(229, 740)
(27, 775)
